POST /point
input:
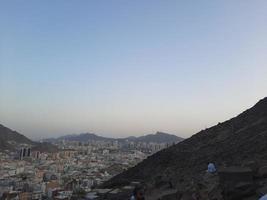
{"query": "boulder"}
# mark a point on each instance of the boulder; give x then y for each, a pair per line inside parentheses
(235, 174)
(236, 182)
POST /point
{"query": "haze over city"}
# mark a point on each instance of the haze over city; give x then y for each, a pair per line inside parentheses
(120, 68)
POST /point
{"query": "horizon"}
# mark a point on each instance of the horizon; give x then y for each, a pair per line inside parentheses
(133, 135)
(136, 136)
(129, 68)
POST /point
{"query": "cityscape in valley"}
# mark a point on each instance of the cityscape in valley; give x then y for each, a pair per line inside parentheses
(87, 166)
(133, 100)
(69, 166)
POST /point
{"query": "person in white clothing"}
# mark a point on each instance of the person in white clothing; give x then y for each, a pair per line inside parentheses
(211, 168)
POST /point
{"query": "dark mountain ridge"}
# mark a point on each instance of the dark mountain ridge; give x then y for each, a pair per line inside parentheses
(158, 137)
(233, 142)
(11, 140)
(9, 137)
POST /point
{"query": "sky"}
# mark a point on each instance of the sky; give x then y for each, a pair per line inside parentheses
(122, 67)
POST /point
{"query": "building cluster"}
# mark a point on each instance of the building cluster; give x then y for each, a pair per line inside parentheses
(74, 170)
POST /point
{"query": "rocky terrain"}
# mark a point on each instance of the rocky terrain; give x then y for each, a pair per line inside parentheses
(238, 147)
(11, 140)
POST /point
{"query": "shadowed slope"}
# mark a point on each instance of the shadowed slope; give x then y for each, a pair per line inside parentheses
(11, 140)
(232, 142)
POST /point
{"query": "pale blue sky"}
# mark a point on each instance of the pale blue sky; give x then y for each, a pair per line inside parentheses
(124, 67)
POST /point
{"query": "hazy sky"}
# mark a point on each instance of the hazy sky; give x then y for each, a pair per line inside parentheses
(129, 67)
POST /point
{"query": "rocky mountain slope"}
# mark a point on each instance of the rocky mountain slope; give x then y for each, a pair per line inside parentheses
(233, 142)
(11, 140)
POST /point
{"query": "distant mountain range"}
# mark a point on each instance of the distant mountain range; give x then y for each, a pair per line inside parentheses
(83, 137)
(158, 137)
(11, 140)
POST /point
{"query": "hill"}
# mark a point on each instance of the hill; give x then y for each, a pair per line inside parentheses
(158, 137)
(233, 142)
(11, 140)
(84, 137)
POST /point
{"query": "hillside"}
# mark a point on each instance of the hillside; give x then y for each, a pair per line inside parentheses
(233, 142)
(11, 140)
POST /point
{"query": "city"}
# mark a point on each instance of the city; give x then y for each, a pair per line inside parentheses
(133, 100)
(72, 171)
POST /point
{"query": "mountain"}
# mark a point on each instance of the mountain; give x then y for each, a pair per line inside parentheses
(234, 142)
(84, 137)
(159, 137)
(11, 140)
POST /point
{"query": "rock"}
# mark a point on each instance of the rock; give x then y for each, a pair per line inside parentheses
(186, 196)
(263, 172)
(253, 165)
(174, 196)
(235, 174)
(237, 182)
(239, 191)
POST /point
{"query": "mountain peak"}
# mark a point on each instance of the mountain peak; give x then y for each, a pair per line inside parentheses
(161, 133)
